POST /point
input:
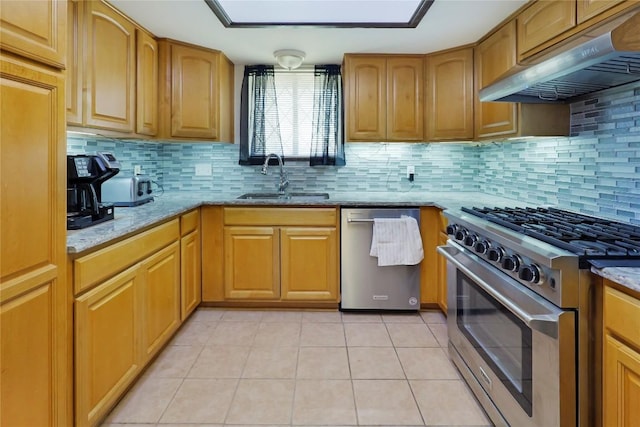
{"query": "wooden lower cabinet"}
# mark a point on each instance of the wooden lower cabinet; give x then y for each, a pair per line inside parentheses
(309, 263)
(251, 267)
(161, 296)
(273, 255)
(621, 404)
(190, 271)
(621, 358)
(107, 343)
(126, 317)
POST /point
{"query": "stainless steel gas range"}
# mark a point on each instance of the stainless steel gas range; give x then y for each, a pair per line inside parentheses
(523, 309)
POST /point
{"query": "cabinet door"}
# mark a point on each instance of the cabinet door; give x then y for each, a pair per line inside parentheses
(161, 296)
(190, 272)
(405, 99)
(442, 276)
(147, 84)
(110, 69)
(34, 307)
(494, 57)
(587, 9)
(621, 388)
(35, 29)
(366, 98)
(251, 267)
(107, 334)
(75, 63)
(309, 262)
(541, 22)
(449, 95)
(194, 93)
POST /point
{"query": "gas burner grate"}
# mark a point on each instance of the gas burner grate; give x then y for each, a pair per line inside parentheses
(583, 235)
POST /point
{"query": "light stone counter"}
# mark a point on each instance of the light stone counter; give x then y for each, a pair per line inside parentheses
(169, 205)
(626, 276)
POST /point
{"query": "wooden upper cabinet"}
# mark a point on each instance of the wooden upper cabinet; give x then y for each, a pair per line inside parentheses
(405, 109)
(384, 97)
(195, 103)
(494, 57)
(35, 29)
(366, 97)
(587, 9)
(449, 95)
(147, 84)
(541, 22)
(110, 73)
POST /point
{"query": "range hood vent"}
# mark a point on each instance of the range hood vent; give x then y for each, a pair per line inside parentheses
(608, 60)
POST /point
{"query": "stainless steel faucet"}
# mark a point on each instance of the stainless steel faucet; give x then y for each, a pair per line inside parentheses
(284, 181)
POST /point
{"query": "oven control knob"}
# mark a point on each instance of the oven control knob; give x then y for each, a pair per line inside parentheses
(470, 239)
(511, 263)
(482, 247)
(460, 234)
(529, 273)
(451, 229)
(495, 254)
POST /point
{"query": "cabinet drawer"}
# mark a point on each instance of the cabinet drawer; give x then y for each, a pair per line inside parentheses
(106, 262)
(622, 315)
(280, 216)
(189, 222)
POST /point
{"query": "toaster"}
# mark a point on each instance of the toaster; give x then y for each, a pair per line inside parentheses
(127, 191)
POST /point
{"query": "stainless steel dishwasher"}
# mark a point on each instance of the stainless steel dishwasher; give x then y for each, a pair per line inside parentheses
(365, 285)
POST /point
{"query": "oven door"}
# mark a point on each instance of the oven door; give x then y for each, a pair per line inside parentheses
(515, 349)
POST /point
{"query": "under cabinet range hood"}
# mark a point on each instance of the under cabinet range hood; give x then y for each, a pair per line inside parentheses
(608, 60)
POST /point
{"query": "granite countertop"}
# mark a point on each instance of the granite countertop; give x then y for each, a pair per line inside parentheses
(129, 220)
(628, 277)
(169, 205)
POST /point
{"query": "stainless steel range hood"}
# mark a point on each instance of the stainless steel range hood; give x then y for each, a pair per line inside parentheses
(608, 60)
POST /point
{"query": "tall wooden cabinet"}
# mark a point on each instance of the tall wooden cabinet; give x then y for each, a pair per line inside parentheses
(384, 97)
(36, 30)
(34, 300)
(196, 86)
(449, 95)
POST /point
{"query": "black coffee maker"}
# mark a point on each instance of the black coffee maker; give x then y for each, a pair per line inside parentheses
(85, 175)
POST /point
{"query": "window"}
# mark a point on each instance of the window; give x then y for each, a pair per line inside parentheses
(296, 114)
(294, 94)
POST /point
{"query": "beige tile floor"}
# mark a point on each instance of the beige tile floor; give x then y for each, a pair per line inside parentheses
(302, 368)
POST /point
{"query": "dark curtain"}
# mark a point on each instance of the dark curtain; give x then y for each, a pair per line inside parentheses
(327, 140)
(258, 101)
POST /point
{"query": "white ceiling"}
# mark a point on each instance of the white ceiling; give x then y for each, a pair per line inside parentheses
(448, 23)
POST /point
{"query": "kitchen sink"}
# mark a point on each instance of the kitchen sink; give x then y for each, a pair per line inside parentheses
(284, 196)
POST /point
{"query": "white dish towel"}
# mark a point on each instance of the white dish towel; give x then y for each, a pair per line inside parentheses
(396, 241)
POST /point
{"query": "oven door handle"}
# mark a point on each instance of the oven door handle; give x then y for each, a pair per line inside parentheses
(544, 323)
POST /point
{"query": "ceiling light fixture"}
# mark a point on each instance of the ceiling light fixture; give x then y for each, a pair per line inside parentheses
(289, 58)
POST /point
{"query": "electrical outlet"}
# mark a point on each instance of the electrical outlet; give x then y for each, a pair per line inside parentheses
(137, 170)
(411, 172)
(203, 169)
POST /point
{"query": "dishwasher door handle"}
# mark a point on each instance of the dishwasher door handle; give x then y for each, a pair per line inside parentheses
(359, 220)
